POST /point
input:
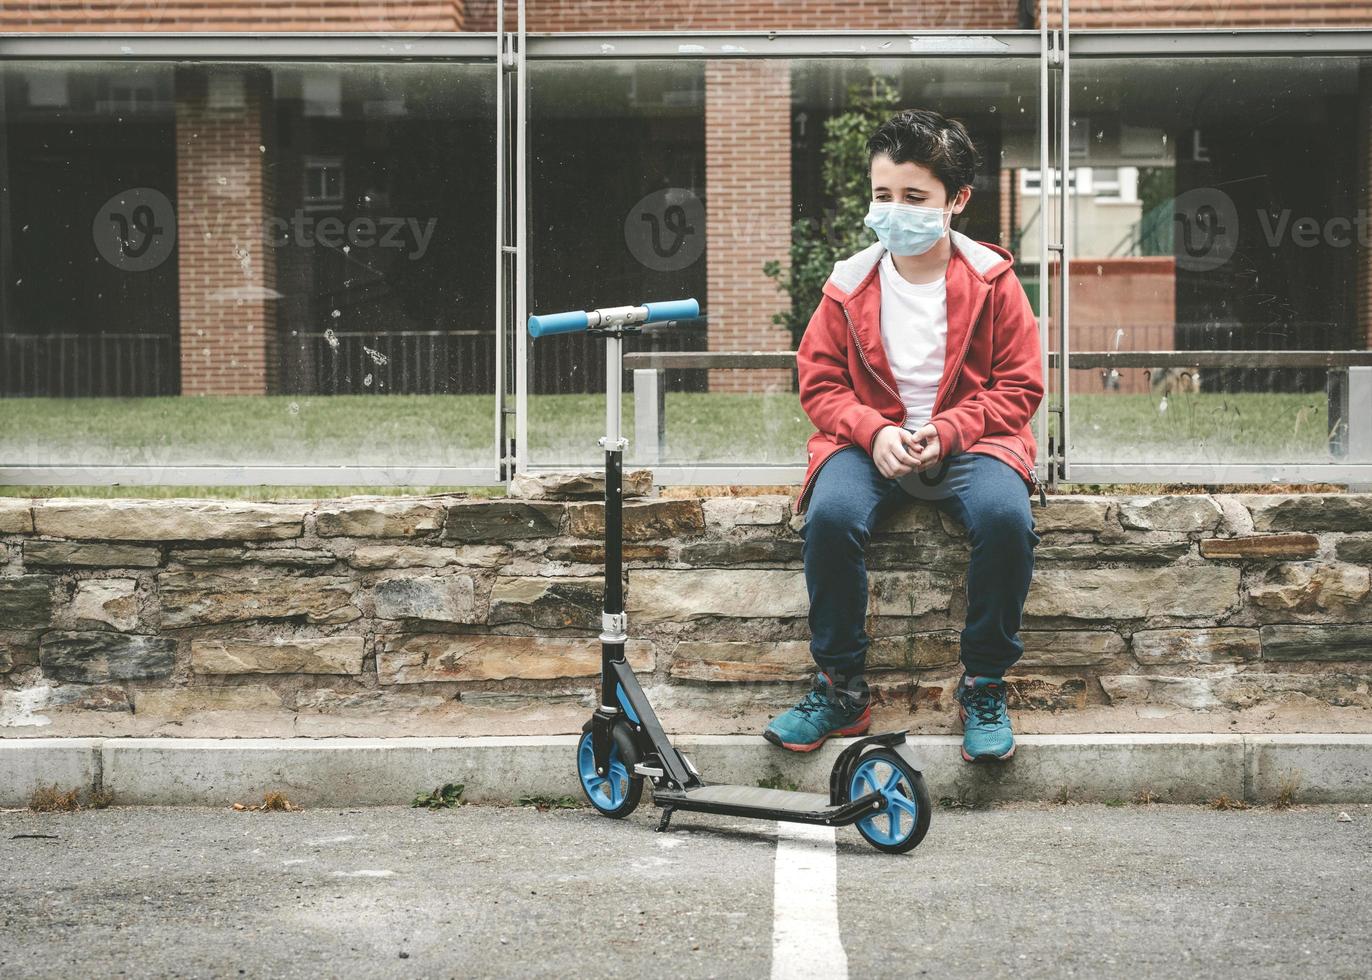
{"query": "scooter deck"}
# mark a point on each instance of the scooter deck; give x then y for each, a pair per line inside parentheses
(769, 804)
(760, 798)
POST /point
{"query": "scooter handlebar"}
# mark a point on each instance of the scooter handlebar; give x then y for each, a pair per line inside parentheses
(676, 309)
(554, 323)
(550, 323)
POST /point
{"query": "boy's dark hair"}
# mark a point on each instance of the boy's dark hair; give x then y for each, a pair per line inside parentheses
(932, 140)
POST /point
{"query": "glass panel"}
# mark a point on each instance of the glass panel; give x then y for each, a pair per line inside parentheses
(1215, 205)
(247, 264)
(666, 179)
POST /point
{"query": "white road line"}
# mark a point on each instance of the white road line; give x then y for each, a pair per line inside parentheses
(805, 939)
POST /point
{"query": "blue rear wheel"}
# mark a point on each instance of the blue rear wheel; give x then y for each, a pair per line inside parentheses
(904, 821)
(615, 793)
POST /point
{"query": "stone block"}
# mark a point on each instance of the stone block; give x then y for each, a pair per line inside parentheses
(1311, 586)
(914, 651)
(102, 602)
(1071, 648)
(487, 521)
(578, 484)
(1309, 512)
(88, 554)
(894, 592)
(288, 557)
(176, 702)
(1196, 645)
(439, 598)
(97, 656)
(727, 512)
(1028, 692)
(666, 595)
(16, 515)
(587, 552)
(1072, 513)
(1173, 512)
(1258, 546)
(1354, 547)
(1201, 591)
(547, 601)
(26, 602)
(278, 655)
(727, 553)
(1316, 641)
(427, 657)
(379, 518)
(373, 556)
(168, 520)
(1159, 552)
(1194, 693)
(1253, 689)
(194, 598)
(647, 520)
(741, 662)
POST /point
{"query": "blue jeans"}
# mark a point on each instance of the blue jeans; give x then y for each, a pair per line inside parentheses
(850, 497)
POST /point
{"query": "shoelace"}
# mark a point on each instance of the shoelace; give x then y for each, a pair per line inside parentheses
(812, 702)
(985, 704)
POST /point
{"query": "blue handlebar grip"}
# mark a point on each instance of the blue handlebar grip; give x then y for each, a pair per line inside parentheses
(677, 309)
(549, 323)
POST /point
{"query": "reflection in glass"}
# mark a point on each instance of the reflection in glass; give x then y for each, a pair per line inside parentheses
(247, 264)
(1216, 205)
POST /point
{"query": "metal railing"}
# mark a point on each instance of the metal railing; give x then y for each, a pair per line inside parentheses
(92, 365)
(1349, 384)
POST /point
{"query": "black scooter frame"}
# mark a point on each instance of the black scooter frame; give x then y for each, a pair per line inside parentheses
(624, 705)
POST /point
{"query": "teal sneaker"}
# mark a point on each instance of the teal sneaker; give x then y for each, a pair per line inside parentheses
(986, 730)
(824, 712)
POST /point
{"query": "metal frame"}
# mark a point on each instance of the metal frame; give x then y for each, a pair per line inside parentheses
(510, 51)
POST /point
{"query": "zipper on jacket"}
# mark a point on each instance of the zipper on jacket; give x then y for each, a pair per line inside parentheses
(863, 356)
(1043, 498)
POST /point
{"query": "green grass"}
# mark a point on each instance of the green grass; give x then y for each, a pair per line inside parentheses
(438, 430)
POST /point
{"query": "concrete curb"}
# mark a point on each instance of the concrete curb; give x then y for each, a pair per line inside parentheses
(1182, 768)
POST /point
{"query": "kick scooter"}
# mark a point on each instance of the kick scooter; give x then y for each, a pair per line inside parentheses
(875, 783)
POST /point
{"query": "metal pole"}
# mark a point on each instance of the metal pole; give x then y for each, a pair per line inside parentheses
(1064, 428)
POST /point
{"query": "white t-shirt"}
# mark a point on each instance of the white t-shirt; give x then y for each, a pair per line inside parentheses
(914, 331)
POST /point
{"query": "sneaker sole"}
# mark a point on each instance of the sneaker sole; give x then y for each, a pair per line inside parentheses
(856, 728)
(985, 756)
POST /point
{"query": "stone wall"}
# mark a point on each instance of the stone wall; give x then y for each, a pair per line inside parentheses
(464, 615)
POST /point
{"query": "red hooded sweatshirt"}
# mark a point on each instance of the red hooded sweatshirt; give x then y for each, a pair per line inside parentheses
(992, 379)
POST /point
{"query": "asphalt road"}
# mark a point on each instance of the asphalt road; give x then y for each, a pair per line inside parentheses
(1022, 890)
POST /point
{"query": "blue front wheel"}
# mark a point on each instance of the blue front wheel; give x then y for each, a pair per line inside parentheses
(615, 793)
(904, 821)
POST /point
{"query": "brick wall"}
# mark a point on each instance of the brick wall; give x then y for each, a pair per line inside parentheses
(1083, 14)
(226, 270)
(747, 212)
(231, 15)
(742, 15)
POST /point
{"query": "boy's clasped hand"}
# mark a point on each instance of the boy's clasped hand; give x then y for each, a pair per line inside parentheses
(898, 451)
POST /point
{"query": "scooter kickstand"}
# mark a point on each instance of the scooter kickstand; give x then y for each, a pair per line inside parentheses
(666, 819)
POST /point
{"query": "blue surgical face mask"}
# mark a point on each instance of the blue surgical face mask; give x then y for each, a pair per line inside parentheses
(906, 229)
